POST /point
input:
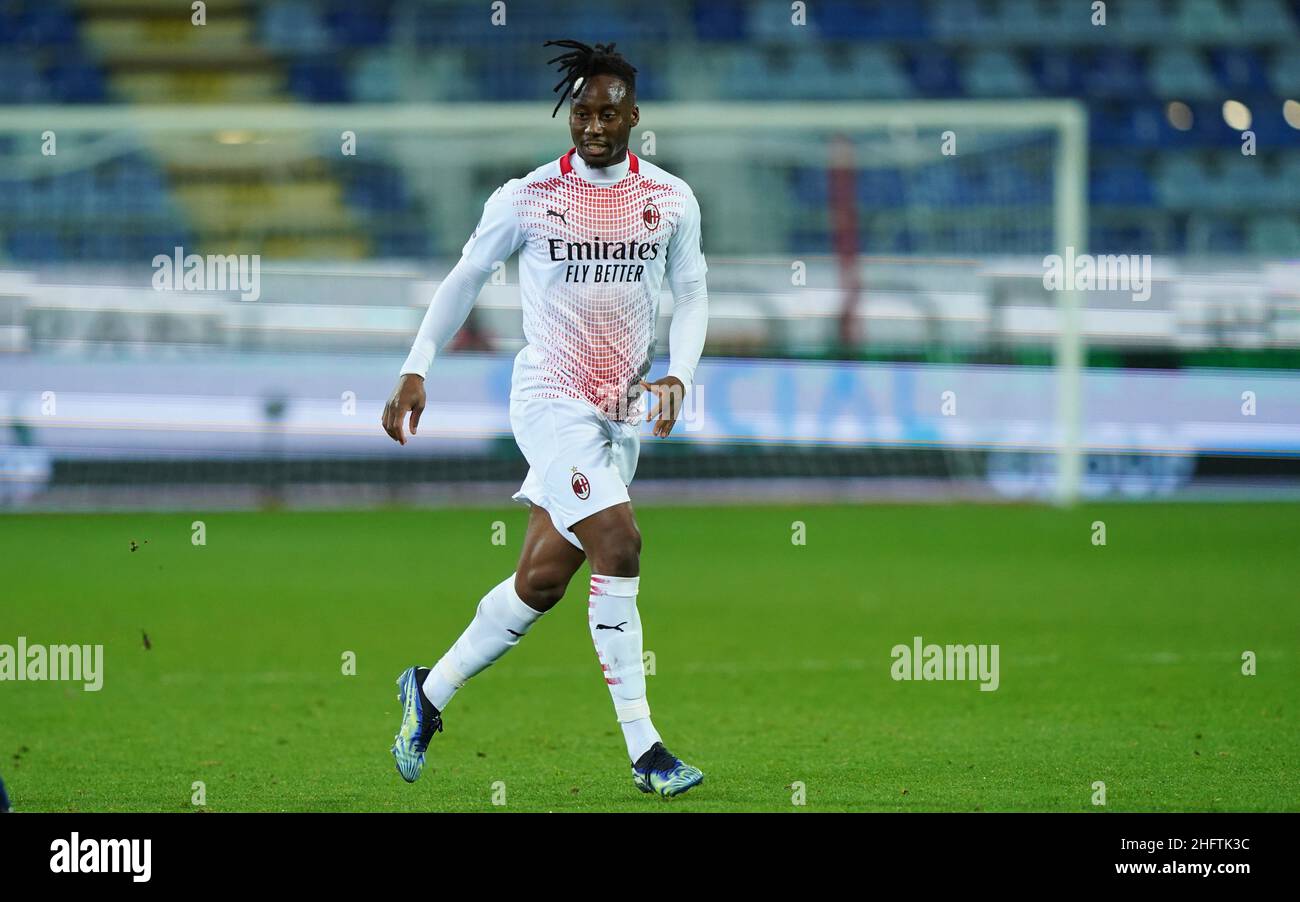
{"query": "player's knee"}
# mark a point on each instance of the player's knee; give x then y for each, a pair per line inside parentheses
(541, 587)
(620, 553)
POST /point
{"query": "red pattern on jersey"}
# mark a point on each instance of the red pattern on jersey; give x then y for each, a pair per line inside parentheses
(595, 339)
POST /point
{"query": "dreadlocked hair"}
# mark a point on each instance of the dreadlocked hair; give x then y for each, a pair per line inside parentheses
(582, 62)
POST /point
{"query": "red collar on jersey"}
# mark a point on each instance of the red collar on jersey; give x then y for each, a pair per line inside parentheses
(566, 167)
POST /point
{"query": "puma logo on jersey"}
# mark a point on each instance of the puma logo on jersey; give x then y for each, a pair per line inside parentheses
(619, 627)
(558, 214)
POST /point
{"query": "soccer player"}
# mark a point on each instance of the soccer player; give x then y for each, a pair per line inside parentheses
(599, 231)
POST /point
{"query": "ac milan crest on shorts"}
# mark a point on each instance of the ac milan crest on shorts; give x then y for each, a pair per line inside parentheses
(579, 461)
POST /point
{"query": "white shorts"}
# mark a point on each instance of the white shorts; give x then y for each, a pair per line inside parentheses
(579, 461)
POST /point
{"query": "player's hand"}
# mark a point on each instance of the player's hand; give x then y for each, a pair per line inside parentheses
(408, 396)
(669, 393)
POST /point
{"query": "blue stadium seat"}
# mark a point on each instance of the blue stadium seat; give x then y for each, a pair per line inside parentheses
(1267, 20)
(769, 21)
(811, 75)
(1066, 22)
(880, 188)
(1239, 71)
(76, 82)
(1114, 72)
(996, 73)
(851, 21)
(1206, 20)
(719, 20)
(876, 72)
(1244, 183)
(35, 246)
(47, 24)
(1020, 19)
(809, 186)
(359, 25)
(966, 19)
(1144, 21)
(1274, 236)
(317, 81)
(934, 73)
(1181, 182)
(1216, 235)
(374, 78)
(1121, 184)
(1111, 126)
(20, 79)
(1180, 73)
(1284, 73)
(1151, 128)
(293, 26)
(1058, 72)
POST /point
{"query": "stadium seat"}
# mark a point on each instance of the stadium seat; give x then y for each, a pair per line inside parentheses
(769, 21)
(1267, 20)
(1180, 73)
(318, 82)
(358, 25)
(1289, 177)
(1122, 184)
(852, 21)
(996, 73)
(965, 19)
(1215, 235)
(1274, 236)
(1181, 182)
(877, 72)
(723, 20)
(1239, 71)
(375, 78)
(76, 82)
(1284, 73)
(1206, 20)
(934, 73)
(293, 26)
(1021, 19)
(20, 79)
(1139, 22)
(47, 24)
(1114, 73)
(1057, 71)
(879, 188)
(1243, 183)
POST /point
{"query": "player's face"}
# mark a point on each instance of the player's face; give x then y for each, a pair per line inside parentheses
(601, 119)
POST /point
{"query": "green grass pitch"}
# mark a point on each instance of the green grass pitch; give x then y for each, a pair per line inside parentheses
(1120, 664)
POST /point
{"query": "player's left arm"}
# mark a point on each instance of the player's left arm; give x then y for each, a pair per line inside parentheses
(685, 273)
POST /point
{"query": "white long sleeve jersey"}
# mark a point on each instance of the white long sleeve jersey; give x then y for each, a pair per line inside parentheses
(595, 247)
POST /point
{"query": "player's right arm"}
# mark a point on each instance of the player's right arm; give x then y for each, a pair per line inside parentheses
(497, 236)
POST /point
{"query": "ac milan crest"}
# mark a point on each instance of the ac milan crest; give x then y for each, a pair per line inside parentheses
(650, 216)
(581, 487)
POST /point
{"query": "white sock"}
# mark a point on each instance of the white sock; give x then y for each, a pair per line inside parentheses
(616, 631)
(501, 621)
